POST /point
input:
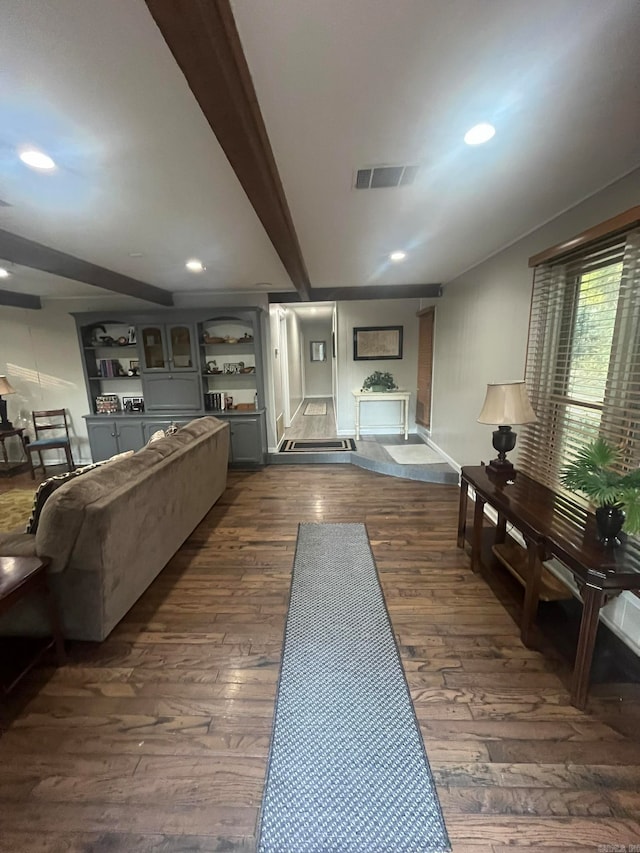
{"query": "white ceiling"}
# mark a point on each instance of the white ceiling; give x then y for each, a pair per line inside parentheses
(341, 84)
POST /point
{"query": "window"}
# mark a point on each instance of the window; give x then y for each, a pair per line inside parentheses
(583, 356)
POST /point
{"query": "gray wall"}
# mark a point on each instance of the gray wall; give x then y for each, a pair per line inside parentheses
(482, 322)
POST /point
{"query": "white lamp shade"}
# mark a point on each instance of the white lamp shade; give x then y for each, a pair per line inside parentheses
(507, 403)
(5, 386)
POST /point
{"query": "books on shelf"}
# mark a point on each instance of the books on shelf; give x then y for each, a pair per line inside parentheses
(214, 402)
(110, 367)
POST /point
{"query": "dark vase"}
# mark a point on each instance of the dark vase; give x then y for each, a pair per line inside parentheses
(609, 521)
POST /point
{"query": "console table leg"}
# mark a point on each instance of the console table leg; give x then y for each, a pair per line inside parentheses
(462, 512)
(532, 592)
(593, 599)
(476, 546)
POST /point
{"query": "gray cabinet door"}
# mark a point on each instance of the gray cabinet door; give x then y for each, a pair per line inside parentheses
(103, 439)
(172, 392)
(130, 436)
(246, 440)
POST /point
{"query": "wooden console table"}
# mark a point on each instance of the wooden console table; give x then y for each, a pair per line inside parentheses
(20, 576)
(385, 396)
(552, 526)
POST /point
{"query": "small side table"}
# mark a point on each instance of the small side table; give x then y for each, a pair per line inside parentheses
(11, 467)
(20, 576)
(385, 396)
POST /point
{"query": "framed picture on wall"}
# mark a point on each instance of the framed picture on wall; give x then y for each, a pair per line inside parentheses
(377, 342)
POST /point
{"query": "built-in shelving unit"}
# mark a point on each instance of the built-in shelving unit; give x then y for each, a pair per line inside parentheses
(184, 364)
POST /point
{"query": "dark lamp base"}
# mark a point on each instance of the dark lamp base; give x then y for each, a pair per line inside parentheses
(498, 466)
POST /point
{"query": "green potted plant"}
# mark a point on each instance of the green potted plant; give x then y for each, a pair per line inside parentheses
(616, 496)
(379, 381)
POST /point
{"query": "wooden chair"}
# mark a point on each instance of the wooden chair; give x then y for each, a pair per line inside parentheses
(44, 422)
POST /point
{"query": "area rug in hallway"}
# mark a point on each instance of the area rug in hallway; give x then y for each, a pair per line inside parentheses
(316, 445)
(315, 409)
(347, 768)
(413, 454)
(15, 509)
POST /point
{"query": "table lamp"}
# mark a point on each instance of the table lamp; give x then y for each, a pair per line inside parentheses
(506, 403)
(5, 388)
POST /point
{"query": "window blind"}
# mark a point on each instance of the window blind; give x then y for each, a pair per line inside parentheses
(583, 355)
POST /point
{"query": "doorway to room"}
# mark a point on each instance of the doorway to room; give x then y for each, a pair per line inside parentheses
(303, 371)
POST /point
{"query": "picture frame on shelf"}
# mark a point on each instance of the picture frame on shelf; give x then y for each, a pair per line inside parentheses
(232, 367)
(377, 343)
(133, 404)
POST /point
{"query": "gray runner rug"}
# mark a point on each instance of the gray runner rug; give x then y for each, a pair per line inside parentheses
(347, 769)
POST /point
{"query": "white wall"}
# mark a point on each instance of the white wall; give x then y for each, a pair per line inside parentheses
(317, 374)
(294, 360)
(482, 322)
(351, 374)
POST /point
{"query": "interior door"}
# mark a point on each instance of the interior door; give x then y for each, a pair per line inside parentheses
(425, 366)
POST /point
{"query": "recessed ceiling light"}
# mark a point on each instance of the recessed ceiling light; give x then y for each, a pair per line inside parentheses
(37, 160)
(4, 273)
(480, 133)
(195, 265)
(397, 256)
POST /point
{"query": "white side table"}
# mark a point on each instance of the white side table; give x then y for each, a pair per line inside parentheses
(402, 397)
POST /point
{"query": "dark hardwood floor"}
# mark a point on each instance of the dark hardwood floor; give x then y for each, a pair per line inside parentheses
(157, 739)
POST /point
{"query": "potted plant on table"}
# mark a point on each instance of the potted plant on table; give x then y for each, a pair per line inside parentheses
(379, 381)
(616, 496)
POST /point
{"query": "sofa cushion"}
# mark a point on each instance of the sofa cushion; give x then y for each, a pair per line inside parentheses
(49, 486)
(156, 436)
(17, 545)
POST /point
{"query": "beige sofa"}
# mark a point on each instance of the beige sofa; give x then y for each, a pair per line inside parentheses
(111, 530)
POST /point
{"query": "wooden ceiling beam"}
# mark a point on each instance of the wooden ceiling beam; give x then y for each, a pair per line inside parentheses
(19, 300)
(202, 36)
(28, 253)
(343, 294)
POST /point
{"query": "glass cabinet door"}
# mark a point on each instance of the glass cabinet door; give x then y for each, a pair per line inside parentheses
(180, 348)
(153, 350)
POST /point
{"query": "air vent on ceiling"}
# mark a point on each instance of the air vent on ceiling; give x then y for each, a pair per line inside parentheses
(383, 177)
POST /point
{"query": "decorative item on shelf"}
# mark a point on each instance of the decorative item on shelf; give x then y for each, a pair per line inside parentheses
(123, 341)
(229, 339)
(246, 338)
(5, 388)
(132, 334)
(92, 331)
(379, 381)
(107, 404)
(107, 340)
(212, 367)
(133, 404)
(228, 401)
(245, 407)
(134, 367)
(595, 473)
(232, 367)
(505, 403)
(251, 368)
(211, 339)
